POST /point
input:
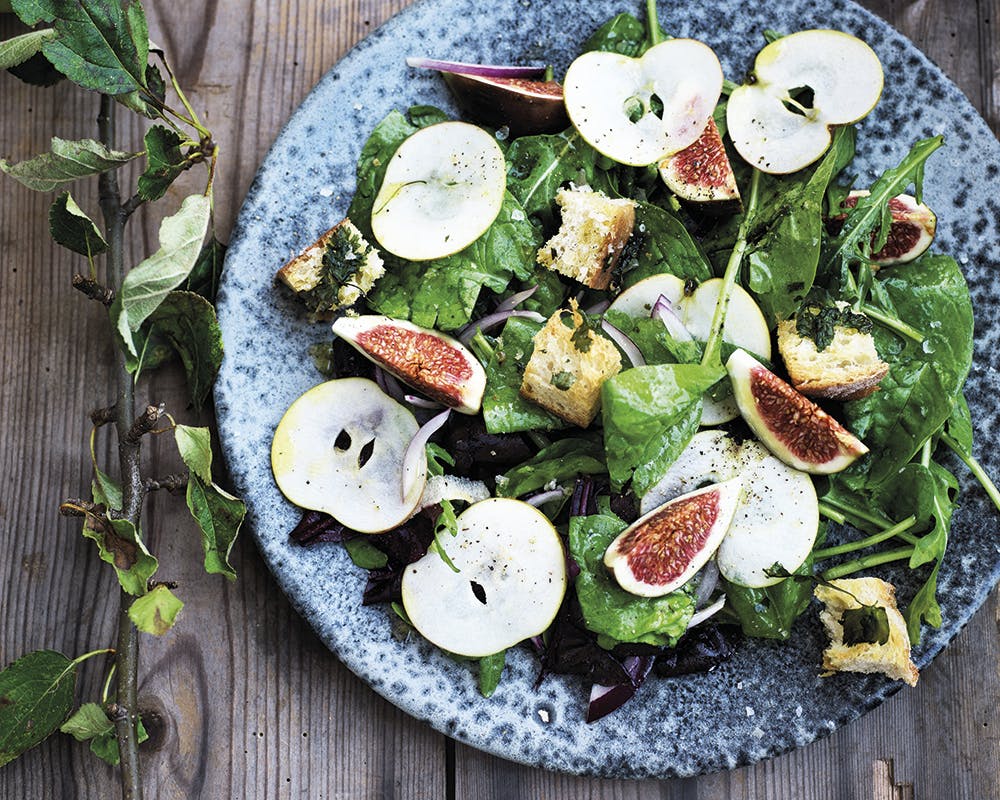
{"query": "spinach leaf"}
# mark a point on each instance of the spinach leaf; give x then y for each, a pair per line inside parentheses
(608, 610)
(661, 244)
(490, 670)
(959, 424)
(560, 461)
(654, 341)
(364, 554)
(623, 34)
(768, 613)
(504, 410)
(650, 414)
(550, 294)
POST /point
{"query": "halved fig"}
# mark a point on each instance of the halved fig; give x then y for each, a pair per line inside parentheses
(695, 305)
(701, 173)
(663, 549)
(639, 110)
(443, 188)
(510, 582)
(524, 106)
(911, 233)
(789, 424)
(801, 85)
(429, 361)
(778, 514)
(339, 449)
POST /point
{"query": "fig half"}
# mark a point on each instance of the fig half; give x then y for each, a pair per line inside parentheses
(662, 550)
(790, 425)
(911, 233)
(429, 361)
(701, 174)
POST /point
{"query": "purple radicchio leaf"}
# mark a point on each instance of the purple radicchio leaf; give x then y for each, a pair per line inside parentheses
(316, 527)
(699, 650)
(605, 699)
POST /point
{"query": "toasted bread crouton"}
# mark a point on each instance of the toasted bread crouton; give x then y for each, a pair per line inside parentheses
(568, 366)
(334, 271)
(893, 657)
(848, 368)
(590, 240)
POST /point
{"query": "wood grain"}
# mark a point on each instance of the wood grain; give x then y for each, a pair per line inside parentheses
(249, 703)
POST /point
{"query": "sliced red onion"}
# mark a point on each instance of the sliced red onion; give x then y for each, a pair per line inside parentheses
(388, 384)
(545, 497)
(422, 402)
(708, 579)
(605, 699)
(516, 299)
(664, 312)
(626, 344)
(491, 321)
(598, 308)
(709, 611)
(478, 70)
(415, 451)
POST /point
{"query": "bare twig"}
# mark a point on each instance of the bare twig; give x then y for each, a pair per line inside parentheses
(129, 206)
(74, 507)
(144, 424)
(172, 483)
(103, 416)
(93, 289)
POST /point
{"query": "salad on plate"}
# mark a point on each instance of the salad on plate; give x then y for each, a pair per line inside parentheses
(626, 369)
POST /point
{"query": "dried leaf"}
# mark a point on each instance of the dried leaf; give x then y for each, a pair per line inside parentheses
(119, 544)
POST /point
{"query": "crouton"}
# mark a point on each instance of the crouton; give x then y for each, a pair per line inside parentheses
(568, 366)
(891, 658)
(334, 271)
(847, 368)
(590, 240)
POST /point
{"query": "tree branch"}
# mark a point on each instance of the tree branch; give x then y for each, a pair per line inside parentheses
(103, 416)
(93, 289)
(172, 483)
(130, 206)
(143, 424)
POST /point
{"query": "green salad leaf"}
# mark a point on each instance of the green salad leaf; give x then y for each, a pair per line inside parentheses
(490, 671)
(661, 244)
(623, 34)
(770, 612)
(561, 461)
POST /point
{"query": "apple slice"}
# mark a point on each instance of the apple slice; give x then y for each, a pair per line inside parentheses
(745, 324)
(802, 84)
(339, 449)
(443, 188)
(639, 110)
(510, 584)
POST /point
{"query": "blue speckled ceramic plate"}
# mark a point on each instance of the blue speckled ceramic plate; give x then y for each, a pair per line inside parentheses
(769, 697)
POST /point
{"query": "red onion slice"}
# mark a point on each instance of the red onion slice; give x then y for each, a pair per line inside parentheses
(708, 579)
(709, 611)
(605, 699)
(516, 299)
(415, 451)
(598, 308)
(477, 70)
(491, 321)
(626, 344)
(388, 384)
(545, 497)
(422, 402)
(664, 312)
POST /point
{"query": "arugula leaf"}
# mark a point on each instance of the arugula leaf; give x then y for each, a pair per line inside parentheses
(187, 322)
(98, 45)
(490, 670)
(19, 49)
(73, 229)
(924, 607)
(164, 162)
(650, 414)
(504, 410)
(156, 611)
(68, 161)
(36, 695)
(148, 283)
(560, 461)
(609, 610)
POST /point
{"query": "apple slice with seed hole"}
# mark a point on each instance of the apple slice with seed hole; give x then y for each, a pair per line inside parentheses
(694, 305)
(510, 584)
(639, 110)
(801, 85)
(442, 189)
(339, 449)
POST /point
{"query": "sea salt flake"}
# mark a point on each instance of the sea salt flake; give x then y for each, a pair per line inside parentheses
(750, 711)
(798, 711)
(758, 733)
(543, 715)
(326, 191)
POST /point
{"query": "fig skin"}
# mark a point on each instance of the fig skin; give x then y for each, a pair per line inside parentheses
(912, 231)
(789, 424)
(524, 106)
(701, 174)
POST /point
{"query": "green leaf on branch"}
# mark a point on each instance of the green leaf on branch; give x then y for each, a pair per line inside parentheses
(164, 162)
(205, 274)
(72, 228)
(218, 513)
(91, 723)
(36, 695)
(68, 161)
(119, 544)
(19, 49)
(156, 611)
(148, 283)
(98, 45)
(105, 746)
(187, 322)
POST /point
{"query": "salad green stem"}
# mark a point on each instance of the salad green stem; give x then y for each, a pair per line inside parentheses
(975, 467)
(481, 347)
(714, 345)
(862, 519)
(653, 23)
(874, 560)
(893, 323)
(861, 544)
(539, 440)
(832, 514)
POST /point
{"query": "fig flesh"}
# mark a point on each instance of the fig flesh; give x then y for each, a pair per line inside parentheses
(523, 105)
(510, 582)
(639, 110)
(701, 174)
(790, 425)
(339, 449)
(777, 516)
(911, 233)
(663, 549)
(429, 361)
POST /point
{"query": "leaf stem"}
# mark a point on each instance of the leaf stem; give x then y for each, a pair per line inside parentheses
(873, 560)
(893, 323)
(714, 345)
(832, 514)
(859, 518)
(107, 684)
(861, 544)
(975, 467)
(91, 654)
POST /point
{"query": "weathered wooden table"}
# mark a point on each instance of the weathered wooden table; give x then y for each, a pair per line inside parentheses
(250, 703)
